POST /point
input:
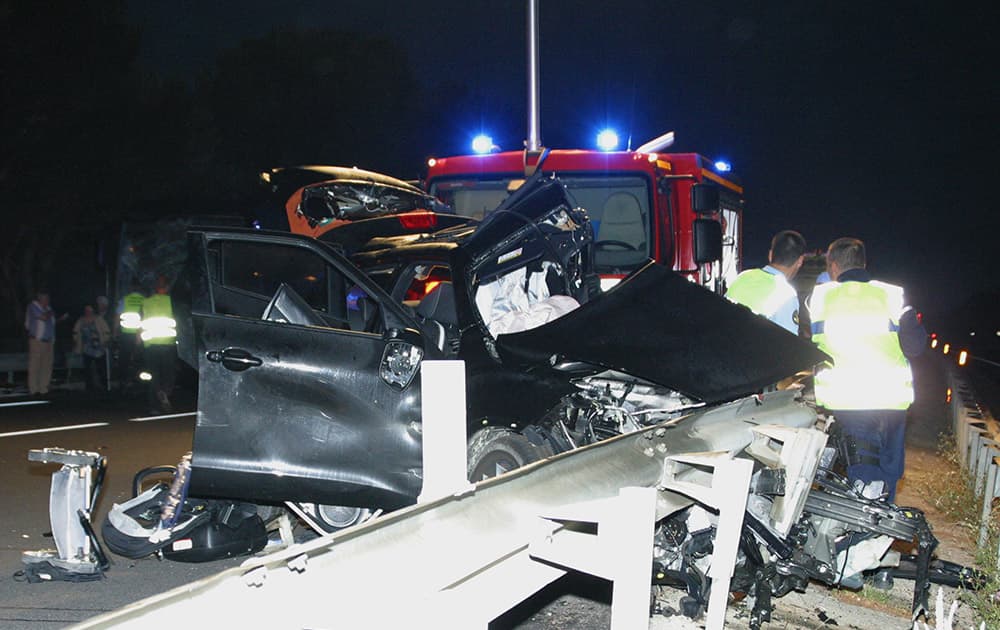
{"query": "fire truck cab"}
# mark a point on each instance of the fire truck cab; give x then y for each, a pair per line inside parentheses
(679, 209)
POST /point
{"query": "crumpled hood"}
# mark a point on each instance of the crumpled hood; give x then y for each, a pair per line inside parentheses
(660, 327)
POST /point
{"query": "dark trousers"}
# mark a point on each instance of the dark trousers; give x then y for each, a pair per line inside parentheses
(880, 436)
(129, 359)
(160, 360)
(93, 372)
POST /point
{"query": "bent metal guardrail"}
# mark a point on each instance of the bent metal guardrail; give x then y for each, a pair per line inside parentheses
(977, 435)
(463, 559)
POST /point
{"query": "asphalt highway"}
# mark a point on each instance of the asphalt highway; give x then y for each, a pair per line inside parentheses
(122, 430)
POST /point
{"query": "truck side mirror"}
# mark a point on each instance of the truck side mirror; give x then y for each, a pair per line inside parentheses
(707, 234)
(704, 198)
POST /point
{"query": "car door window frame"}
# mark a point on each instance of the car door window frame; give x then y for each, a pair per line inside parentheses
(389, 314)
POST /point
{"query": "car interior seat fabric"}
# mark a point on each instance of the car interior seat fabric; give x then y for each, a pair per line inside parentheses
(289, 307)
(438, 308)
(360, 310)
(439, 305)
(621, 220)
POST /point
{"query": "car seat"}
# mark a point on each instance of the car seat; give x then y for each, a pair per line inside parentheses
(621, 222)
(438, 308)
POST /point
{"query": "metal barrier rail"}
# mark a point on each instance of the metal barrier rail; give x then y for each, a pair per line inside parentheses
(462, 560)
(13, 362)
(16, 362)
(977, 435)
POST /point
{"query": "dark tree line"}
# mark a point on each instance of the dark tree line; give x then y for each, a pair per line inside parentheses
(92, 139)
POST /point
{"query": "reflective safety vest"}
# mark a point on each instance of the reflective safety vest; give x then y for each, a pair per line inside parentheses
(131, 316)
(857, 324)
(158, 325)
(767, 293)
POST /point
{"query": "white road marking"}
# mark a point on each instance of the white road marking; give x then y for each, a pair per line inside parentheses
(53, 429)
(166, 417)
(25, 403)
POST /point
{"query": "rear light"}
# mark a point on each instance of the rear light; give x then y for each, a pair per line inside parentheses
(418, 220)
(400, 362)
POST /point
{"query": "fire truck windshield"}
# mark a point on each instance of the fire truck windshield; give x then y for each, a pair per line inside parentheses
(618, 207)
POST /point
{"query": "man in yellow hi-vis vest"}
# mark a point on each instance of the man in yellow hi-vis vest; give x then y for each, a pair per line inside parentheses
(159, 335)
(768, 291)
(129, 345)
(868, 330)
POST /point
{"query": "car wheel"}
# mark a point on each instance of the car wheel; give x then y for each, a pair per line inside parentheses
(494, 451)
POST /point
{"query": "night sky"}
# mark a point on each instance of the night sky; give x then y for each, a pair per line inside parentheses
(875, 120)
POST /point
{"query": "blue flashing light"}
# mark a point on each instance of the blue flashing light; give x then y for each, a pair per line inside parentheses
(723, 166)
(482, 144)
(607, 140)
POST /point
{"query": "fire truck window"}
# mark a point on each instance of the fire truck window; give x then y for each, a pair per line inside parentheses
(472, 198)
(619, 213)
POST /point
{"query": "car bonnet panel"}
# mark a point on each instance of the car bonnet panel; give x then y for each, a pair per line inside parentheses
(661, 327)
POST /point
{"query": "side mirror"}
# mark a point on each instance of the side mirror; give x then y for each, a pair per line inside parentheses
(704, 198)
(707, 234)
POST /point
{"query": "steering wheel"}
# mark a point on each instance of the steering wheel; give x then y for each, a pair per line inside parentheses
(616, 244)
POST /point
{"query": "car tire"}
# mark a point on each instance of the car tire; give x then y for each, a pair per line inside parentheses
(494, 451)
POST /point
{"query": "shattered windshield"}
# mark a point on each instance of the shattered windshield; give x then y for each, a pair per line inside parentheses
(618, 207)
(340, 200)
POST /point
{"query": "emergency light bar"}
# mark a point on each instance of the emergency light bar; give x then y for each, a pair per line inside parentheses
(483, 144)
(607, 140)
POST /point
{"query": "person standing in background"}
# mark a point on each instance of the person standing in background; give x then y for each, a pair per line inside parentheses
(103, 313)
(40, 324)
(159, 337)
(90, 340)
(129, 344)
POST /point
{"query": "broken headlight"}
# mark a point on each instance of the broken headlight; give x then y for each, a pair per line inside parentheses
(400, 362)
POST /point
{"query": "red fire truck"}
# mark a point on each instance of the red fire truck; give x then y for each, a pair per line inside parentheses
(680, 209)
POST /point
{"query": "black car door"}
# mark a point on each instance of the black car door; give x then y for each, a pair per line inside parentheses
(308, 376)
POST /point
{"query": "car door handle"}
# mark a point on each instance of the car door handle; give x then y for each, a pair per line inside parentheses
(235, 359)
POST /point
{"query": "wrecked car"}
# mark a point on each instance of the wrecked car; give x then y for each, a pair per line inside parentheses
(309, 384)
(313, 200)
(309, 368)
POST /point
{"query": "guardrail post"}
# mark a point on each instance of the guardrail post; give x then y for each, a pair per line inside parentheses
(630, 529)
(442, 408)
(728, 496)
(990, 492)
(984, 455)
(974, 433)
(619, 552)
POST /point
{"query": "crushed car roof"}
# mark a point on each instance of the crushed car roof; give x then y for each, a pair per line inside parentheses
(658, 326)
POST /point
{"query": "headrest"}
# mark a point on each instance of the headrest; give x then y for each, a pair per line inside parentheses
(439, 304)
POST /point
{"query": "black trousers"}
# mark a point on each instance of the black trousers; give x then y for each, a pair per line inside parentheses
(160, 361)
